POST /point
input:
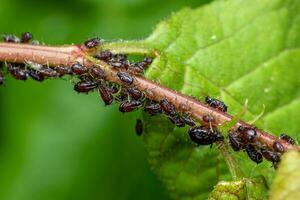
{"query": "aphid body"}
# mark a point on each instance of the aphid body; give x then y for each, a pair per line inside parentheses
(215, 103)
(85, 86)
(125, 78)
(253, 154)
(203, 135)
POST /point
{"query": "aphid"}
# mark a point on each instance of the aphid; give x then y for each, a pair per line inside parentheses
(253, 154)
(105, 93)
(148, 60)
(278, 147)
(287, 138)
(120, 61)
(215, 103)
(92, 43)
(125, 78)
(36, 75)
(2, 78)
(128, 106)
(247, 133)
(79, 69)
(167, 107)
(11, 39)
(85, 86)
(48, 72)
(63, 70)
(189, 121)
(271, 156)
(208, 119)
(135, 93)
(104, 55)
(153, 108)
(18, 72)
(139, 67)
(177, 120)
(26, 37)
(235, 142)
(97, 73)
(139, 127)
(203, 135)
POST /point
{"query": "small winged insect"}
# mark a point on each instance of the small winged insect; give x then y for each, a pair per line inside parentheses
(48, 72)
(153, 108)
(215, 103)
(203, 135)
(177, 120)
(97, 73)
(274, 157)
(2, 78)
(135, 93)
(119, 61)
(278, 147)
(92, 43)
(26, 37)
(36, 75)
(79, 69)
(253, 154)
(85, 86)
(139, 127)
(247, 133)
(63, 70)
(189, 121)
(104, 55)
(17, 71)
(105, 93)
(125, 78)
(287, 138)
(128, 106)
(167, 107)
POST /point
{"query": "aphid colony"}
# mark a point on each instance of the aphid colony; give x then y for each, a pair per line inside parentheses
(131, 98)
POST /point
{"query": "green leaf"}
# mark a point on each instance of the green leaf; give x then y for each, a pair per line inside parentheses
(234, 50)
(286, 183)
(254, 188)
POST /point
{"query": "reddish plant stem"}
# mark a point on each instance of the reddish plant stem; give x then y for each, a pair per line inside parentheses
(67, 55)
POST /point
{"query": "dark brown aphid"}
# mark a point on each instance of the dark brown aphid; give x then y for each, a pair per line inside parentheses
(235, 142)
(78, 69)
(203, 135)
(208, 119)
(36, 75)
(247, 133)
(2, 78)
(97, 73)
(215, 103)
(85, 86)
(253, 154)
(153, 108)
(119, 61)
(167, 107)
(177, 121)
(128, 106)
(287, 138)
(278, 147)
(105, 93)
(63, 70)
(92, 43)
(26, 37)
(104, 55)
(271, 156)
(11, 39)
(139, 127)
(189, 121)
(48, 72)
(18, 72)
(135, 93)
(125, 78)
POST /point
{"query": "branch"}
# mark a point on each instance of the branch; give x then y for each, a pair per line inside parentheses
(68, 55)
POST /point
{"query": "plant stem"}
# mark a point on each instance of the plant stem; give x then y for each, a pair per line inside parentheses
(68, 55)
(231, 162)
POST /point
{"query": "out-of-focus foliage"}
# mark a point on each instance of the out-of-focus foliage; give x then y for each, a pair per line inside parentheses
(56, 144)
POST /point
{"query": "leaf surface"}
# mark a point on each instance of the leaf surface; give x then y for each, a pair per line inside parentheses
(233, 50)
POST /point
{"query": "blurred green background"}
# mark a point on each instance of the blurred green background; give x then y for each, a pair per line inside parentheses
(57, 144)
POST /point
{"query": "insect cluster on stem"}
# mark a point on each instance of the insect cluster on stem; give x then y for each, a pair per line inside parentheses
(130, 98)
